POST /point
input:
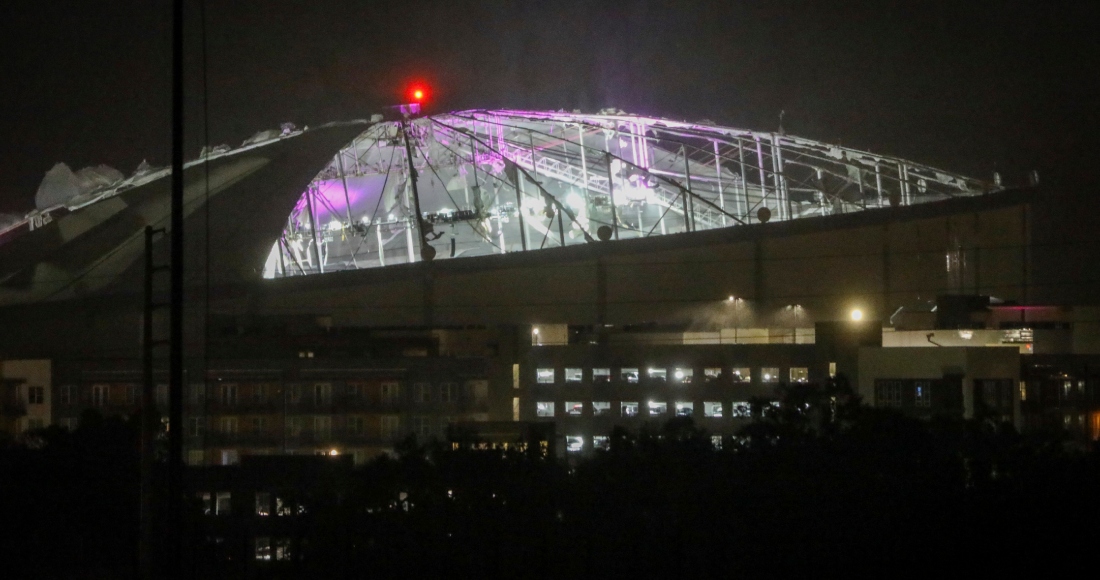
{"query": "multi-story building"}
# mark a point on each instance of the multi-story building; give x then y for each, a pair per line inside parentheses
(25, 396)
(1062, 392)
(957, 381)
(638, 378)
(308, 405)
(260, 515)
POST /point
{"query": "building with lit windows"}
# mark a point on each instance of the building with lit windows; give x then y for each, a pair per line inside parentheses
(359, 282)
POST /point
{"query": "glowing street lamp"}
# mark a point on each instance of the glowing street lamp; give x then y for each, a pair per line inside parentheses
(856, 314)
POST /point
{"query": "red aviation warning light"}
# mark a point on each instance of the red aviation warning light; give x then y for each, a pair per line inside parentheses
(412, 100)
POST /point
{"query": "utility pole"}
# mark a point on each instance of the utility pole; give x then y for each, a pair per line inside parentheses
(173, 564)
(149, 418)
(427, 252)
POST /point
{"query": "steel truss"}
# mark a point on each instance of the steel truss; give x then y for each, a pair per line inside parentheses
(504, 181)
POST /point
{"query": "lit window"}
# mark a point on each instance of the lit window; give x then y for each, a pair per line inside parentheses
(263, 503)
(601, 442)
(716, 442)
(770, 374)
(600, 376)
(601, 408)
(574, 408)
(658, 375)
(800, 374)
(656, 409)
(832, 370)
(922, 393)
(230, 457)
(545, 376)
(263, 549)
(284, 507)
(544, 409)
(684, 409)
(741, 409)
(629, 408)
(741, 374)
(281, 547)
(574, 443)
(712, 409)
(629, 375)
(223, 505)
(573, 375)
(712, 374)
(682, 375)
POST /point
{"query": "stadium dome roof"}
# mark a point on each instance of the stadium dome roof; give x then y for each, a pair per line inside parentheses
(499, 181)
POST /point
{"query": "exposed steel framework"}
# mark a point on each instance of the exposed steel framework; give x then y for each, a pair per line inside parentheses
(491, 182)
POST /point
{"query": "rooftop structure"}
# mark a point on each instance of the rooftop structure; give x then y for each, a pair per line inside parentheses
(494, 182)
(484, 182)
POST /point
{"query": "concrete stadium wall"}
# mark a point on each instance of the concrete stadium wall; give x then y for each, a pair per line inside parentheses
(876, 260)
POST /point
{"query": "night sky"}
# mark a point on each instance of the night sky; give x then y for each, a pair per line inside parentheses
(970, 86)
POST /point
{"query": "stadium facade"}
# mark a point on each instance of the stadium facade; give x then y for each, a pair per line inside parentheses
(353, 283)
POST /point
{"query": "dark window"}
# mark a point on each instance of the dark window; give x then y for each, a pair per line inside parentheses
(887, 393)
(36, 395)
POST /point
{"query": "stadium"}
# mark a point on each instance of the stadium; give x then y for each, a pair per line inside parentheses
(410, 272)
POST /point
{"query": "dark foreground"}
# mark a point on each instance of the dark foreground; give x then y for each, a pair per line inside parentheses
(806, 491)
